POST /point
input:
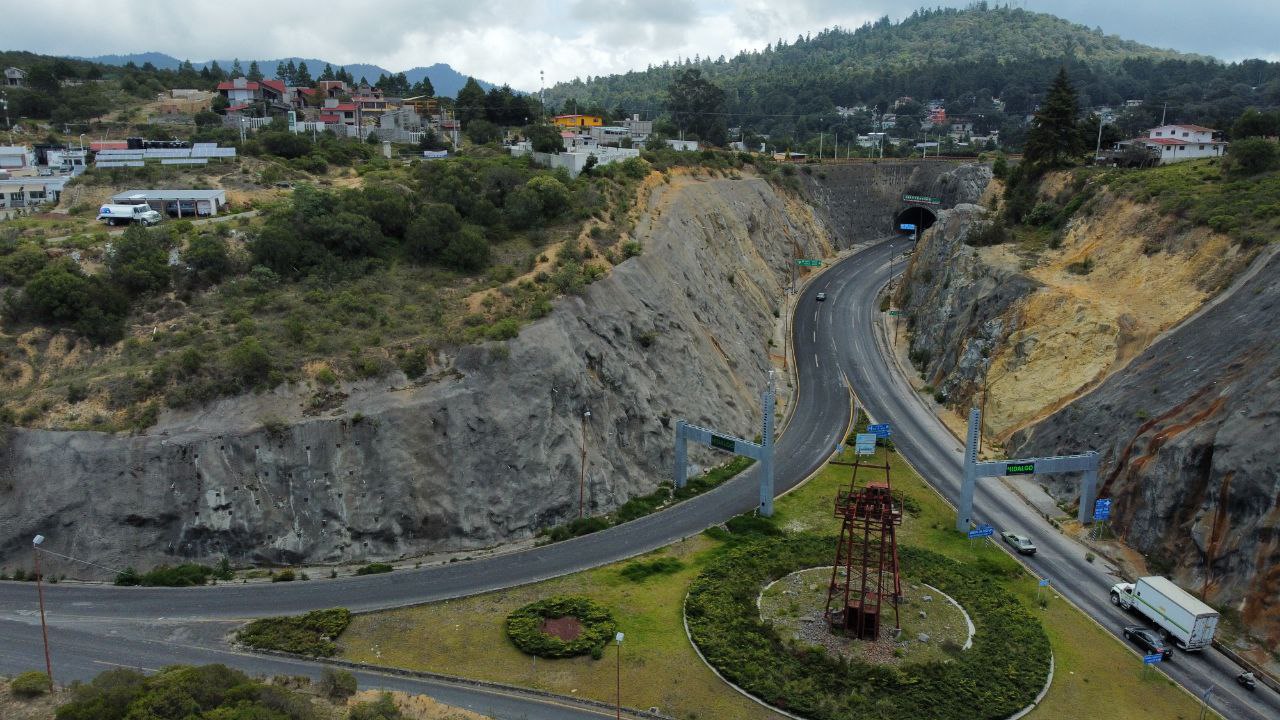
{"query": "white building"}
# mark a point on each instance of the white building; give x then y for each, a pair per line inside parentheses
(1175, 143)
(683, 145)
(14, 77)
(16, 157)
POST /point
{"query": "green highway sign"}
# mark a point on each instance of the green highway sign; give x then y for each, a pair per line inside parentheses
(895, 313)
(922, 199)
(723, 443)
(809, 263)
(1020, 469)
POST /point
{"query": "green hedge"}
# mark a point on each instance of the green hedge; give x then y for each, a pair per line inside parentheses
(598, 627)
(310, 634)
(999, 675)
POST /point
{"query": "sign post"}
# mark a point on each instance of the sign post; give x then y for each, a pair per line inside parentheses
(881, 430)
(981, 531)
(804, 262)
(1152, 659)
(865, 443)
(1044, 583)
(1101, 513)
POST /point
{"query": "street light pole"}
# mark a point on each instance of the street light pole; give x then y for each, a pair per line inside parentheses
(618, 638)
(44, 628)
(582, 465)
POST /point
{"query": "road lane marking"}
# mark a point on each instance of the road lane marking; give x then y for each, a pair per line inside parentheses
(132, 667)
(815, 360)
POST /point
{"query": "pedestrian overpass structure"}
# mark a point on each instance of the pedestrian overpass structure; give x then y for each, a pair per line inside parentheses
(1086, 463)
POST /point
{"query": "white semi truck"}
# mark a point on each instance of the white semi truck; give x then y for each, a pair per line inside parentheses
(1179, 616)
(125, 214)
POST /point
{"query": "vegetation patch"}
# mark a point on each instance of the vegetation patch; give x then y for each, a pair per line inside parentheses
(562, 626)
(30, 684)
(184, 575)
(641, 570)
(179, 691)
(310, 634)
(374, 569)
(750, 653)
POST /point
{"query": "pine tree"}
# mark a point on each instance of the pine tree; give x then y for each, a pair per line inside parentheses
(302, 78)
(255, 73)
(216, 72)
(327, 74)
(1054, 137)
(236, 70)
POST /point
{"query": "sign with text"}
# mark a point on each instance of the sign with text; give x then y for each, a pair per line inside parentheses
(1020, 469)
(1044, 582)
(981, 531)
(907, 227)
(804, 262)
(724, 443)
(865, 443)
(1102, 509)
(880, 430)
(922, 199)
(1152, 659)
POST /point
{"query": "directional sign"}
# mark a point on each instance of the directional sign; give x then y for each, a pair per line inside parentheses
(907, 227)
(1102, 509)
(895, 313)
(809, 263)
(865, 443)
(981, 531)
(724, 443)
(1152, 659)
(881, 430)
(922, 199)
(1020, 469)
(1044, 582)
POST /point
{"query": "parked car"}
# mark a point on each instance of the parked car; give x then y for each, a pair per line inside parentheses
(822, 296)
(1020, 543)
(1148, 641)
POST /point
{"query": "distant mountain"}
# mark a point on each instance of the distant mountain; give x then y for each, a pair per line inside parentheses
(444, 78)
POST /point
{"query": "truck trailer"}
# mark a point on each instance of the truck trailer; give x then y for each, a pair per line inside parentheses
(1176, 613)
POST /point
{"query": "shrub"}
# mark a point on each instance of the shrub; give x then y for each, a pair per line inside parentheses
(644, 569)
(524, 627)
(384, 708)
(249, 361)
(185, 575)
(30, 684)
(309, 634)
(337, 684)
(283, 576)
(374, 569)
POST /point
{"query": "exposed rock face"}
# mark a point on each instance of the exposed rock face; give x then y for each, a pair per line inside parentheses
(1188, 421)
(485, 451)
(1190, 433)
(860, 201)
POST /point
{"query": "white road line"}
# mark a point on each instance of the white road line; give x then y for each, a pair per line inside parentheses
(815, 360)
(132, 667)
(815, 336)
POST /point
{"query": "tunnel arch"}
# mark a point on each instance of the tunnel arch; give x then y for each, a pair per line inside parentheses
(920, 216)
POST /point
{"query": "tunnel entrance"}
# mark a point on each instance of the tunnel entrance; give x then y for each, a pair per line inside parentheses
(922, 217)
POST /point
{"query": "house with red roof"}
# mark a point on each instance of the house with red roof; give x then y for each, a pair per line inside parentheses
(1175, 143)
(240, 90)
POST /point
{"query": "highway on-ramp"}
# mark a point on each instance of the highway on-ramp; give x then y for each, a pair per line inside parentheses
(150, 627)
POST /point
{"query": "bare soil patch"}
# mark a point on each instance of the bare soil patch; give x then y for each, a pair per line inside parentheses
(566, 628)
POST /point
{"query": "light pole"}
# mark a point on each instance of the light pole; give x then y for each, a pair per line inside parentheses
(44, 629)
(1098, 150)
(618, 639)
(582, 466)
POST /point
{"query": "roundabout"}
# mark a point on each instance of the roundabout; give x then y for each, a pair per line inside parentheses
(1004, 668)
(562, 626)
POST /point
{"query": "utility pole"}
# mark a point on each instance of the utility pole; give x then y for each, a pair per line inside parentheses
(582, 476)
(1098, 150)
(1163, 113)
(820, 145)
(44, 628)
(618, 676)
(542, 91)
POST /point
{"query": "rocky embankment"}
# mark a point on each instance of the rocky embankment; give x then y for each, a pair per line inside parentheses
(485, 450)
(1153, 344)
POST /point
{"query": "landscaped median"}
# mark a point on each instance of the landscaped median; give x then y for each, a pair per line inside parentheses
(724, 570)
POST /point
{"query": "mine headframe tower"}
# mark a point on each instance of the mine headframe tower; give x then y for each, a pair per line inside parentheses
(865, 575)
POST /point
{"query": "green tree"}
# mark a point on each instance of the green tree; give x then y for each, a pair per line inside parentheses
(482, 132)
(62, 294)
(249, 361)
(139, 261)
(1255, 124)
(544, 138)
(236, 70)
(1054, 137)
(697, 106)
(1253, 155)
(423, 87)
(553, 195)
(302, 76)
(255, 74)
(207, 257)
(470, 102)
(435, 227)
(467, 251)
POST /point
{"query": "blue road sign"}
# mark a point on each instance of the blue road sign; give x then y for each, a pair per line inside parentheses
(981, 531)
(1044, 582)
(865, 444)
(907, 226)
(1102, 509)
(882, 430)
(1152, 659)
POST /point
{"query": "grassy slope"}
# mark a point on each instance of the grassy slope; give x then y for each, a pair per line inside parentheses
(1096, 675)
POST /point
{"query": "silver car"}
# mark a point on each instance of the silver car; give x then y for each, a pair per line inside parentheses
(1021, 543)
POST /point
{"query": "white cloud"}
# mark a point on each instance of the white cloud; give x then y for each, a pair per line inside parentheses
(510, 40)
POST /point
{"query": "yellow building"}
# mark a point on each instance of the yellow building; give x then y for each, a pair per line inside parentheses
(574, 121)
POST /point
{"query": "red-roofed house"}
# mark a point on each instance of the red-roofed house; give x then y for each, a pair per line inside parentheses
(332, 88)
(273, 90)
(240, 90)
(1175, 143)
(344, 113)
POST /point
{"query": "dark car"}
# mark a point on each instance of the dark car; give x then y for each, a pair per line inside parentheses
(1148, 641)
(822, 296)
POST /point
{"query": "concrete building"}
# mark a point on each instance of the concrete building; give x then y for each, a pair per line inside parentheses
(30, 192)
(577, 121)
(1175, 143)
(14, 77)
(639, 129)
(610, 134)
(683, 145)
(16, 157)
(177, 203)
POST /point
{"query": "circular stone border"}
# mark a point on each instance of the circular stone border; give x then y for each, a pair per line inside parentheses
(524, 627)
(968, 643)
(718, 611)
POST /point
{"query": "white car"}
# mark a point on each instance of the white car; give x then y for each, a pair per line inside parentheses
(822, 296)
(1021, 543)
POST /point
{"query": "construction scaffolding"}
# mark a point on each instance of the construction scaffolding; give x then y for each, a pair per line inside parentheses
(865, 575)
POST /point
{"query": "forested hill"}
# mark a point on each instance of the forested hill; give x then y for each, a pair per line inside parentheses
(945, 53)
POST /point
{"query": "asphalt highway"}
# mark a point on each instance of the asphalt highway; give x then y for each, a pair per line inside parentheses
(852, 290)
(835, 339)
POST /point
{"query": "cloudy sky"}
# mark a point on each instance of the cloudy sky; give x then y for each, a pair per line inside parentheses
(510, 41)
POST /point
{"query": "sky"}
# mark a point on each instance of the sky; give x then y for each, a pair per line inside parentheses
(510, 41)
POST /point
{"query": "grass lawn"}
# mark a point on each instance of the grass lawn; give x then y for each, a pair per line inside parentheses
(1096, 675)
